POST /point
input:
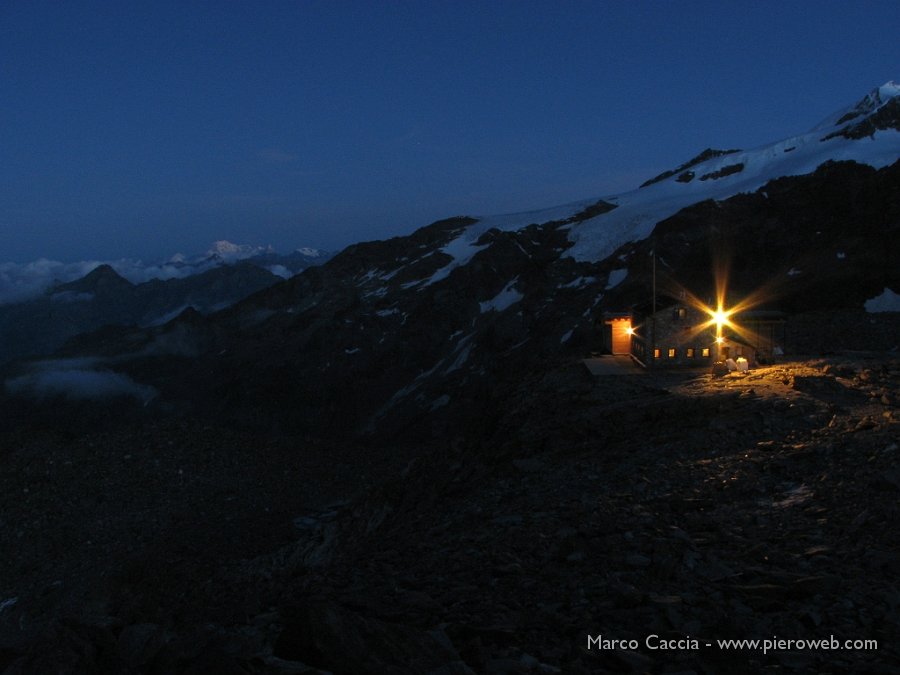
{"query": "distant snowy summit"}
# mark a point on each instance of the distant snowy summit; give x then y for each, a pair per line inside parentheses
(224, 252)
(19, 282)
(221, 251)
(310, 252)
(227, 251)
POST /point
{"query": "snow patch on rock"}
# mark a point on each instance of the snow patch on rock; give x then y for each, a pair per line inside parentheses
(580, 282)
(504, 299)
(616, 277)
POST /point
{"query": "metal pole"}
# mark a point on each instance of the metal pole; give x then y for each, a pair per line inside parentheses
(652, 355)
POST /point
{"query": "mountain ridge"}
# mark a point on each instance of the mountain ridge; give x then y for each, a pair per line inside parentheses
(22, 282)
(103, 296)
(465, 301)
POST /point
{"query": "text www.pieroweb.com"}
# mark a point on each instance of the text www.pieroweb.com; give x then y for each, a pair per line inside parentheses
(765, 645)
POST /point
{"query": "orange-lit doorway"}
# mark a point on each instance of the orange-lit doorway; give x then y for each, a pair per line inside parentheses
(621, 335)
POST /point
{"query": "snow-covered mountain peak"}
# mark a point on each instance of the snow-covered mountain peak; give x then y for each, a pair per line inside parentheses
(227, 251)
(866, 133)
(889, 89)
(881, 95)
(869, 104)
(877, 97)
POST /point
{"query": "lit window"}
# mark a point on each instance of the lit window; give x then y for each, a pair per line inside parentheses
(671, 352)
(690, 352)
(656, 353)
(705, 352)
(681, 312)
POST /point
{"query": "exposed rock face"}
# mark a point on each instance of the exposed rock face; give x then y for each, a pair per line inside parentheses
(724, 171)
(886, 117)
(826, 332)
(686, 176)
(815, 242)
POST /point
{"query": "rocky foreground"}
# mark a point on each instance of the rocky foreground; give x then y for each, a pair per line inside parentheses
(675, 505)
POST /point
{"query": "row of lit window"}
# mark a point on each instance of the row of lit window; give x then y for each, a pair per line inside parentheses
(689, 353)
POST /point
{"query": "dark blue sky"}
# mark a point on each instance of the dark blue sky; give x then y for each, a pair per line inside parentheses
(142, 129)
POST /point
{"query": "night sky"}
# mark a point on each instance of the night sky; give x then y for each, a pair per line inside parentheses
(144, 129)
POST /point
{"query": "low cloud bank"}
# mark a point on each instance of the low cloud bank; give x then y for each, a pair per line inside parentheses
(19, 282)
(280, 271)
(75, 379)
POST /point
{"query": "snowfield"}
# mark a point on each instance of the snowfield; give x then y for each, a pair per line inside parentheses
(638, 211)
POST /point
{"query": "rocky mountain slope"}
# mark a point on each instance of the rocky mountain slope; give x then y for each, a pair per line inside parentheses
(497, 505)
(670, 505)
